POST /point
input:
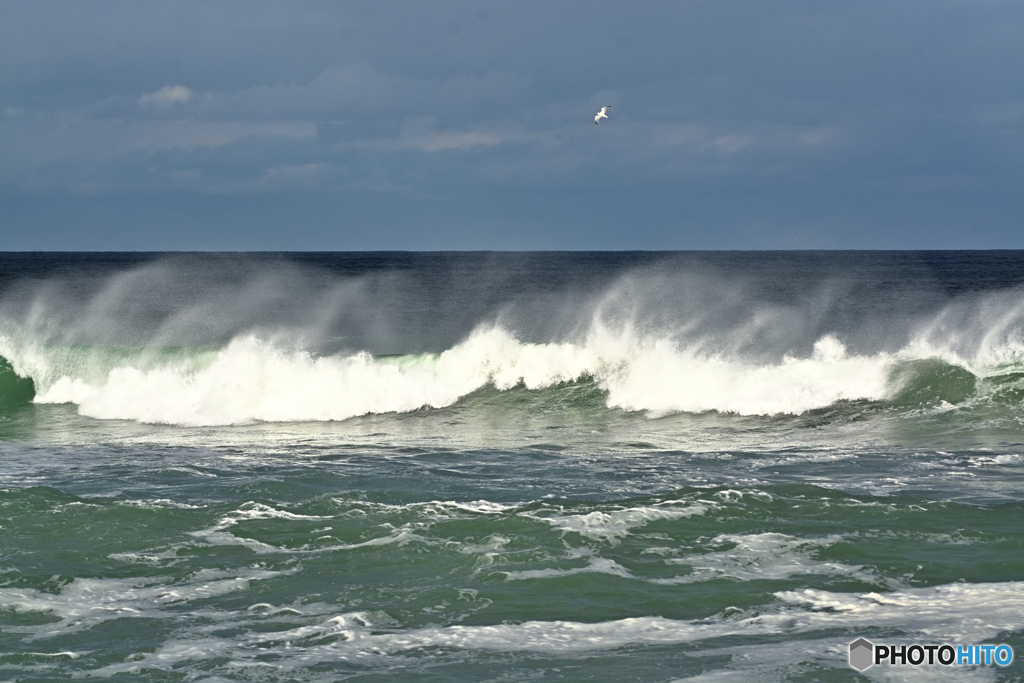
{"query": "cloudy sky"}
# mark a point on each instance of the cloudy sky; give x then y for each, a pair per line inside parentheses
(735, 124)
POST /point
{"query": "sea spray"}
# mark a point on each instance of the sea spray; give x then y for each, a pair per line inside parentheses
(253, 379)
(660, 372)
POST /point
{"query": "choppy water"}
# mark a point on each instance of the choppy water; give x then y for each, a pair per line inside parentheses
(508, 467)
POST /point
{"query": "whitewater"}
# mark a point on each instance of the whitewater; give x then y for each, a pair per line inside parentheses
(252, 379)
(494, 466)
(666, 368)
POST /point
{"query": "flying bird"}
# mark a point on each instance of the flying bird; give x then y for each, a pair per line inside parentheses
(601, 114)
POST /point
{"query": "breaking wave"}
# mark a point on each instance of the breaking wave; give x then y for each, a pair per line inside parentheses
(254, 379)
(267, 348)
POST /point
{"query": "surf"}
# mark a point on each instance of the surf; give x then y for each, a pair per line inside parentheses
(257, 380)
(253, 341)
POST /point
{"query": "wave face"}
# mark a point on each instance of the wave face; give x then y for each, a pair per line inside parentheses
(229, 340)
(15, 390)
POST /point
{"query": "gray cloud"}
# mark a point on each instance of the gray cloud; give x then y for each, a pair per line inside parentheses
(740, 124)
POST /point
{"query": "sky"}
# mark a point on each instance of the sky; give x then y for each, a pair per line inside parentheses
(413, 125)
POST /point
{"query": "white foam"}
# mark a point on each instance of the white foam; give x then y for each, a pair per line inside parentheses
(960, 613)
(216, 536)
(595, 565)
(964, 611)
(398, 537)
(252, 379)
(490, 546)
(431, 510)
(949, 613)
(764, 556)
(220, 534)
(83, 603)
(253, 510)
(160, 503)
(613, 525)
(167, 557)
(750, 557)
(483, 507)
(665, 379)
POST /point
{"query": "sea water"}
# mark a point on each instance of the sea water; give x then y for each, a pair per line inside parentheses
(508, 467)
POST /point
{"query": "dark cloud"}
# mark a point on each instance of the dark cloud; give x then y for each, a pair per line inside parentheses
(452, 125)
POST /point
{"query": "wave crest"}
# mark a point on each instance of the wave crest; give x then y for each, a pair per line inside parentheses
(253, 379)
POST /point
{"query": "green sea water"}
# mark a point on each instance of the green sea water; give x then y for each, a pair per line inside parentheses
(508, 468)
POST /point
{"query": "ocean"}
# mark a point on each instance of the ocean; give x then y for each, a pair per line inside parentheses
(687, 466)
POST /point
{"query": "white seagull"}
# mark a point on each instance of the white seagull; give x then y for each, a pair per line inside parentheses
(601, 114)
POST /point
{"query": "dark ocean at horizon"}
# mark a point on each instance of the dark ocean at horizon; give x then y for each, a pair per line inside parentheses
(474, 466)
